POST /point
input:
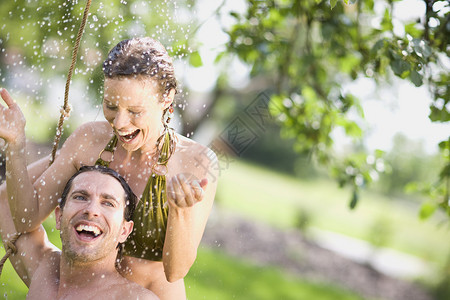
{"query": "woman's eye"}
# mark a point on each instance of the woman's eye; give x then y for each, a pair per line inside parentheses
(136, 113)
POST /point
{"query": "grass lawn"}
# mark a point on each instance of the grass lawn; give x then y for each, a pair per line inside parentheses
(275, 198)
(262, 194)
(213, 276)
(216, 276)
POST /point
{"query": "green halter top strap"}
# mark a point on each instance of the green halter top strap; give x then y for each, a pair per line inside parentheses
(150, 217)
(110, 147)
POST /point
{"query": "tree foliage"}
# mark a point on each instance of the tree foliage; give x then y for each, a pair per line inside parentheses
(308, 49)
(40, 35)
(311, 48)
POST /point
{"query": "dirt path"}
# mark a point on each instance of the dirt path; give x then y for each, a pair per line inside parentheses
(265, 245)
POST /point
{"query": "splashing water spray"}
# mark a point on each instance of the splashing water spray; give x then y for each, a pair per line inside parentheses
(10, 247)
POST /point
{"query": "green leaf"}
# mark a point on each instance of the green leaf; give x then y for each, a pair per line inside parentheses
(378, 45)
(333, 3)
(427, 210)
(439, 115)
(412, 30)
(445, 172)
(195, 60)
(416, 78)
(352, 129)
(444, 145)
(421, 48)
(399, 66)
(386, 22)
(379, 153)
(235, 15)
(220, 56)
(354, 199)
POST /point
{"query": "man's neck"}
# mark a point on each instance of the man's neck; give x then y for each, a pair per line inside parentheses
(81, 274)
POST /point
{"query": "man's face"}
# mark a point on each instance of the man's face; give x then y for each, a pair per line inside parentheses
(92, 221)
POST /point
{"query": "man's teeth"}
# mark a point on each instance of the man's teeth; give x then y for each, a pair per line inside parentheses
(89, 228)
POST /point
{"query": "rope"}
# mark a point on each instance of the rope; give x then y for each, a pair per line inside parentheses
(10, 248)
(65, 110)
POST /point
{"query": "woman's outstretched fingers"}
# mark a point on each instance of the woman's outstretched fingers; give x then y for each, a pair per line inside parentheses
(178, 192)
(186, 188)
(7, 98)
(12, 121)
(185, 192)
(198, 190)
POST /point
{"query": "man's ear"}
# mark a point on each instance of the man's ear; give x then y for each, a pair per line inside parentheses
(58, 217)
(127, 228)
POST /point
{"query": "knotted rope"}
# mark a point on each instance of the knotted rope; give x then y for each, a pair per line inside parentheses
(10, 248)
(65, 109)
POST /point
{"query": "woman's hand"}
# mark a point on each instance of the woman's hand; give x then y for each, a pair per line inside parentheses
(12, 121)
(185, 191)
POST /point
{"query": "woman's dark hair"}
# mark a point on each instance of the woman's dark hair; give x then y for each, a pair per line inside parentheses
(141, 57)
(130, 197)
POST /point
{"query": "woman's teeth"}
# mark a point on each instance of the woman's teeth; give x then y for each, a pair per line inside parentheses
(129, 136)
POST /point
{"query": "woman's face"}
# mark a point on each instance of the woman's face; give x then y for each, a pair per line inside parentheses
(134, 109)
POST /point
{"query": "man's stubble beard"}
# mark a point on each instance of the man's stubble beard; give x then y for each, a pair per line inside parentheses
(77, 254)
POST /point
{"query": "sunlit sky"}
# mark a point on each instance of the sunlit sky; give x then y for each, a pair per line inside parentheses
(402, 108)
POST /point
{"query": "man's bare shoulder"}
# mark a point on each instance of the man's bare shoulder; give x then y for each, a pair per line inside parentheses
(132, 290)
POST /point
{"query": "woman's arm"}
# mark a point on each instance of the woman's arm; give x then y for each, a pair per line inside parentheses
(48, 187)
(190, 203)
(30, 246)
(12, 130)
(32, 203)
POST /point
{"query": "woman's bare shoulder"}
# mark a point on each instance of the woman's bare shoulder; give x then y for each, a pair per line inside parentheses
(195, 156)
(194, 149)
(94, 128)
(92, 132)
(84, 144)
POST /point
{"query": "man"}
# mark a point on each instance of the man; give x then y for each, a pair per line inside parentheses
(94, 218)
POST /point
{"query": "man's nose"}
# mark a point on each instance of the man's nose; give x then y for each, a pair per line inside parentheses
(92, 209)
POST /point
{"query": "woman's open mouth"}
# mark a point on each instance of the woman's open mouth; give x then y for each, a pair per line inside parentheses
(128, 136)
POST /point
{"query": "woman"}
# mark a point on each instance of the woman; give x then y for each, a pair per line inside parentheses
(135, 141)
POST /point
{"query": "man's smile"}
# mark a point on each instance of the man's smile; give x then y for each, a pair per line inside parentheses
(87, 232)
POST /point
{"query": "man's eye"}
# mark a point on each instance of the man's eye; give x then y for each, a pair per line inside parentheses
(79, 197)
(108, 203)
(111, 107)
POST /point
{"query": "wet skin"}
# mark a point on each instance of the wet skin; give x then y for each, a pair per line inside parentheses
(133, 112)
(91, 223)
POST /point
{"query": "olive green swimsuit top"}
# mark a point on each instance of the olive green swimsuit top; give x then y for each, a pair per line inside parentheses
(150, 217)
